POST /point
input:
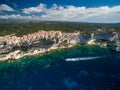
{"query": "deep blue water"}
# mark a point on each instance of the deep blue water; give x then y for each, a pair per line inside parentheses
(34, 74)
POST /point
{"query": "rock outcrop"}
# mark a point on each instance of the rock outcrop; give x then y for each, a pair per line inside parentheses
(35, 43)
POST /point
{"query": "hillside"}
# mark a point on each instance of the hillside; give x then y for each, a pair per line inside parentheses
(21, 28)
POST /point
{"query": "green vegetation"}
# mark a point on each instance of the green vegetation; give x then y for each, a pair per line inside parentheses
(21, 28)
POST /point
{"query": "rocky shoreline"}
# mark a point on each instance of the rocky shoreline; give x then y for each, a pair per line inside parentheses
(13, 47)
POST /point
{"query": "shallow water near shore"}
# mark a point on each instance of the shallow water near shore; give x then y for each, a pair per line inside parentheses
(52, 72)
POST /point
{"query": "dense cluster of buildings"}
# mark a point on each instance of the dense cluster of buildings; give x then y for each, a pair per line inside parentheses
(29, 37)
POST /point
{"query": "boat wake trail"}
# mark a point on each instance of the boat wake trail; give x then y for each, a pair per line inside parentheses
(84, 58)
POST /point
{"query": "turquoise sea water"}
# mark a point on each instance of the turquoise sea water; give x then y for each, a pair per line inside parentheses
(52, 72)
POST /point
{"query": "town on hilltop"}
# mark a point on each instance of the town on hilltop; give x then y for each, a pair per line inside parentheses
(15, 47)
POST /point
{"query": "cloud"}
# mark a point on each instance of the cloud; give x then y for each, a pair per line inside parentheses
(14, 16)
(79, 13)
(72, 13)
(69, 13)
(4, 7)
(40, 8)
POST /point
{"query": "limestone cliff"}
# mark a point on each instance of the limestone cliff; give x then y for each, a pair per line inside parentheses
(15, 47)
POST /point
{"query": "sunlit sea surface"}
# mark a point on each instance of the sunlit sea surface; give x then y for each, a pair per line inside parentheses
(77, 68)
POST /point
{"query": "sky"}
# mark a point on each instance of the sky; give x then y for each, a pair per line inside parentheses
(103, 11)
